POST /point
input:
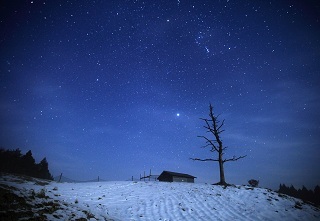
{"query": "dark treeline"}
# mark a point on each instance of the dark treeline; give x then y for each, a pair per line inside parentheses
(12, 161)
(304, 194)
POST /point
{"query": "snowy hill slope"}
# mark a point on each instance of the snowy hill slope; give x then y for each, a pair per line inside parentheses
(28, 197)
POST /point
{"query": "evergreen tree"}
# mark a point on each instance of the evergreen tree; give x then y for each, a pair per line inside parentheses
(28, 164)
(43, 170)
(292, 191)
(304, 193)
(316, 198)
(12, 161)
(282, 189)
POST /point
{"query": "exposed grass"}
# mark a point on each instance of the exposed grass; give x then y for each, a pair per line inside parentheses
(14, 207)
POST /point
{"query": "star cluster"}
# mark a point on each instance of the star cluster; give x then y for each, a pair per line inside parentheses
(115, 88)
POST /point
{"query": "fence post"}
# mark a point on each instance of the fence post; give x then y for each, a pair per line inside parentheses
(60, 178)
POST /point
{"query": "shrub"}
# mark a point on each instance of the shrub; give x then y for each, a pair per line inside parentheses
(41, 193)
(253, 182)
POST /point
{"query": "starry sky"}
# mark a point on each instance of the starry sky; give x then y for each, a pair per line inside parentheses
(115, 88)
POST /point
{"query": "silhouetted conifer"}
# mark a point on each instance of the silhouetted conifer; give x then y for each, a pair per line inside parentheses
(292, 191)
(43, 170)
(317, 195)
(28, 164)
(12, 161)
(304, 193)
(283, 189)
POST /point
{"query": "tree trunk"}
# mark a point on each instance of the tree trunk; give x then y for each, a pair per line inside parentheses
(222, 178)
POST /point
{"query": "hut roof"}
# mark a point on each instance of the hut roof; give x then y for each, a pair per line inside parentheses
(177, 174)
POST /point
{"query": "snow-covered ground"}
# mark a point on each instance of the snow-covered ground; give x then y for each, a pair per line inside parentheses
(145, 201)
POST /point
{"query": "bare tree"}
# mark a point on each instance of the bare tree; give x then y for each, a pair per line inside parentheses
(214, 126)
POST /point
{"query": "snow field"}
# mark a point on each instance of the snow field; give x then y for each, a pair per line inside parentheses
(171, 201)
(183, 201)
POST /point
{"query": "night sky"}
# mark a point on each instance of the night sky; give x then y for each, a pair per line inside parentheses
(115, 88)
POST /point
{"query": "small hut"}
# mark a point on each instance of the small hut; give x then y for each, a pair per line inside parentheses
(167, 176)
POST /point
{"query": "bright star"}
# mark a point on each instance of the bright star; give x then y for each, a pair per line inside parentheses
(178, 115)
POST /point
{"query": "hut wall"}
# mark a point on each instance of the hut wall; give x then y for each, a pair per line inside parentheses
(183, 179)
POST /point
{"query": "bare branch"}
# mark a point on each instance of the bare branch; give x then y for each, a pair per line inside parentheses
(221, 125)
(234, 158)
(205, 119)
(208, 127)
(210, 142)
(197, 159)
(208, 145)
(219, 132)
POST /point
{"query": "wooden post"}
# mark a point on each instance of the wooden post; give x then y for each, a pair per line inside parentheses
(144, 175)
(150, 175)
(60, 178)
(132, 178)
(98, 179)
